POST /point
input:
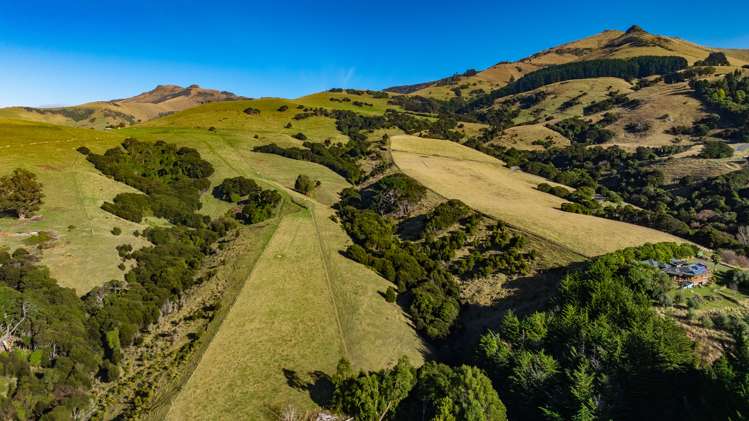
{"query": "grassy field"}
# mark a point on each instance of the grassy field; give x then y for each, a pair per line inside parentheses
(83, 254)
(303, 307)
(485, 184)
(582, 91)
(522, 137)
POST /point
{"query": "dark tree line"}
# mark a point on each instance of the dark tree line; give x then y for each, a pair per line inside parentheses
(633, 68)
(171, 179)
(62, 342)
(425, 272)
(600, 351)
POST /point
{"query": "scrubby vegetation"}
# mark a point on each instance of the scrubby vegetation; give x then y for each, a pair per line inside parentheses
(710, 212)
(432, 392)
(598, 351)
(342, 158)
(172, 179)
(601, 352)
(633, 68)
(615, 99)
(729, 97)
(715, 58)
(581, 131)
(425, 272)
(20, 193)
(256, 204)
(715, 149)
(233, 189)
(336, 157)
(444, 216)
(305, 185)
(60, 342)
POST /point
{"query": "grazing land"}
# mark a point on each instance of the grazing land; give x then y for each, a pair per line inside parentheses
(485, 184)
(304, 307)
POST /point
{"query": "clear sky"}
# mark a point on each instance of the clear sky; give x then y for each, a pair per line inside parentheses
(72, 51)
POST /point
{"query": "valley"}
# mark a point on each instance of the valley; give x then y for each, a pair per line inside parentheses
(477, 247)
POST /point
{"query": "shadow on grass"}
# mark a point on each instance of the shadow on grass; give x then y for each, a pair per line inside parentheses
(319, 386)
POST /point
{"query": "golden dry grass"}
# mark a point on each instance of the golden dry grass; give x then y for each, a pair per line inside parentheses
(304, 307)
(485, 184)
(662, 107)
(84, 253)
(522, 137)
(585, 90)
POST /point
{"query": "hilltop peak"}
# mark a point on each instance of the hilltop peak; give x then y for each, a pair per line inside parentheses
(636, 29)
(163, 93)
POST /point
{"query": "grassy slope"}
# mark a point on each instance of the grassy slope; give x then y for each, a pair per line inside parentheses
(522, 137)
(485, 184)
(291, 293)
(376, 333)
(84, 254)
(588, 91)
(303, 307)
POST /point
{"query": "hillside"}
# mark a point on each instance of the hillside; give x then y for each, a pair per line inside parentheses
(160, 101)
(493, 245)
(608, 44)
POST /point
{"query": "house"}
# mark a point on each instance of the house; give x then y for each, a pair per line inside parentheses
(685, 274)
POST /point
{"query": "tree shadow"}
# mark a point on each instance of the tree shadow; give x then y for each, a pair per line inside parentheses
(410, 229)
(527, 294)
(319, 385)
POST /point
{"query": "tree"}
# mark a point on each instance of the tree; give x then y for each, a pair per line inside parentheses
(457, 393)
(372, 396)
(20, 193)
(304, 184)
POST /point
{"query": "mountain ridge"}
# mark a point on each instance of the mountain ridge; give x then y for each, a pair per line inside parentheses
(162, 100)
(607, 44)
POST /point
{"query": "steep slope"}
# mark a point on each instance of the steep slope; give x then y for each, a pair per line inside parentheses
(608, 44)
(160, 101)
(448, 168)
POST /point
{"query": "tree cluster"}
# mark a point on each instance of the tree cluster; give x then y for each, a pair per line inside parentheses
(171, 178)
(633, 68)
(432, 392)
(20, 193)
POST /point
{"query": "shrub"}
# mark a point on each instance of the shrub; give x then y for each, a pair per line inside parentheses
(304, 184)
(300, 136)
(391, 295)
(715, 149)
(445, 215)
(20, 193)
(714, 59)
(251, 111)
(637, 127)
(116, 231)
(397, 194)
(130, 206)
(233, 189)
(283, 108)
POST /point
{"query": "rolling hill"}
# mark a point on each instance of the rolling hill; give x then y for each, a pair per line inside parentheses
(429, 218)
(160, 101)
(608, 44)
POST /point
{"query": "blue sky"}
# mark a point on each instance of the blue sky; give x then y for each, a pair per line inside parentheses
(68, 52)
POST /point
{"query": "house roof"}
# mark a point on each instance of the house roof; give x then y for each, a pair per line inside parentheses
(679, 267)
(694, 269)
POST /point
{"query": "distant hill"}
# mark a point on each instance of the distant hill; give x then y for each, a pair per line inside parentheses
(608, 44)
(160, 101)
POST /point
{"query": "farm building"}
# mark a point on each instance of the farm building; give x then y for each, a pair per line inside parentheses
(685, 274)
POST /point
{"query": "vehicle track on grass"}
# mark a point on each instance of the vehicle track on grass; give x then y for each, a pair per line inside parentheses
(326, 269)
(310, 207)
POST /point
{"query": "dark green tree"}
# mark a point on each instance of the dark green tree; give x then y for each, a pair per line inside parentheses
(20, 193)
